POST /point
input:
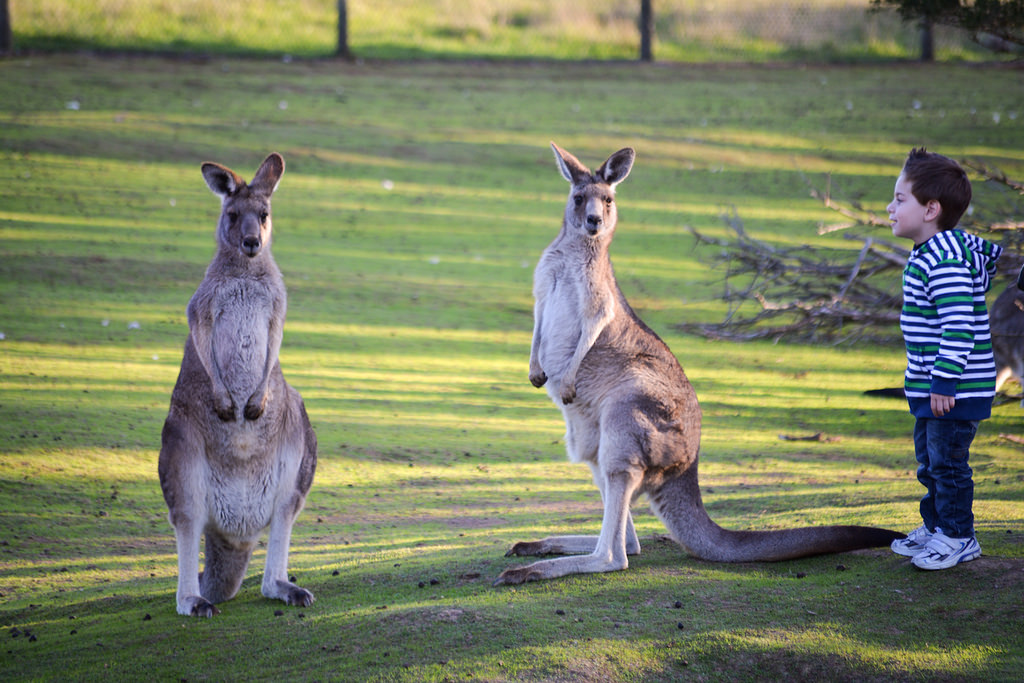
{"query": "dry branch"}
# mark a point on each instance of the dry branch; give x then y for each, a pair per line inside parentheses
(808, 293)
(804, 292)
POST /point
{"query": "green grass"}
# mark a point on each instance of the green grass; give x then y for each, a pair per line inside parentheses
(415, 201)
(685, 30)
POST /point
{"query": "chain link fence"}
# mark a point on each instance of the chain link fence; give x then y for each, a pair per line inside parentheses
(681, 30)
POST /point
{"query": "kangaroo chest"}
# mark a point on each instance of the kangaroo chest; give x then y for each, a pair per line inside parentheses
(242, 315)
(568, 295)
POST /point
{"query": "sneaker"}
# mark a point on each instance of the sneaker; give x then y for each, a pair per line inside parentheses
(913, 545)
(943, 552)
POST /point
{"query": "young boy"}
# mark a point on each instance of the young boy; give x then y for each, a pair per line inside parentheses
(950, 378)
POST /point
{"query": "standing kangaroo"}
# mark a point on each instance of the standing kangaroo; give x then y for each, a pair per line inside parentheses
(238, 451)
(630, 413)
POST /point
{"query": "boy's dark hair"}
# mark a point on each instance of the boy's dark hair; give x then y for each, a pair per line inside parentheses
(933, 176)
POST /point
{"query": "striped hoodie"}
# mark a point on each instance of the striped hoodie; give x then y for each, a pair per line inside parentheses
(945, 324)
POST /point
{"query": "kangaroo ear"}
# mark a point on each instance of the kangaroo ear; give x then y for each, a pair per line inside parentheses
(570, 167)
(615, 169)
(221, 180)
(269, 174)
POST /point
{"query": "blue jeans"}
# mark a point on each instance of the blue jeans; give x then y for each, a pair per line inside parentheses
(942, 448)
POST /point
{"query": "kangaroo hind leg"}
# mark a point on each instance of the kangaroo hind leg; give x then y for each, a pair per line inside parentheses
(276, 584)
(609, 553)
(178, 465)
(576, 545)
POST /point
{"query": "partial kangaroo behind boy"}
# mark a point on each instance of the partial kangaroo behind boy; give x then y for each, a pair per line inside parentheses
(630, 412)
(1006, 317)
(238, 451)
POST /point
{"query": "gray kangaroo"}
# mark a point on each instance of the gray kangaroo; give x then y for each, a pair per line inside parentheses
(238, 451)
(630, 412)
(1007, 320)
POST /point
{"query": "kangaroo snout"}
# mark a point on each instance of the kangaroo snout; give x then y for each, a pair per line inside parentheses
(251, 245)
(594, 223)
(251, 239)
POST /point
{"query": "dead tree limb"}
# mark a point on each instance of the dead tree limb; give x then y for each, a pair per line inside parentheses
(809, 293)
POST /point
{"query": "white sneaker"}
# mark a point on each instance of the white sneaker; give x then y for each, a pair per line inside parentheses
(913, 545)
(943, 552)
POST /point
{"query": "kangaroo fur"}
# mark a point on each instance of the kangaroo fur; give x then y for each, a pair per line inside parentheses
(238, 452)
(630, 413)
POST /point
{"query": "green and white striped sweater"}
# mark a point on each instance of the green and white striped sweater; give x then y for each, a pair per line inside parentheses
(945, 324)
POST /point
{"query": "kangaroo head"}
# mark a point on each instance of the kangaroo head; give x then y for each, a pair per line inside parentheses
(591, 205)
(245, 208)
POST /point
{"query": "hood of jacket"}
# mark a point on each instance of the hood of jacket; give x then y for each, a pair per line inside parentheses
(978, 254)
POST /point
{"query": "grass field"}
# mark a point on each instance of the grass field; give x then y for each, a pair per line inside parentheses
(416, 199)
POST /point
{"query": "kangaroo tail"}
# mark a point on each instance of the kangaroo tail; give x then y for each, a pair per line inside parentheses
(678, 503)
(225, 567)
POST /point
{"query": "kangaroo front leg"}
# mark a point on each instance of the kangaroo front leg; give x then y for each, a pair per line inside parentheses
(610, 550)
(593, 325)
(538, 377)
(275, 576)
(200, 324)
(257, 402)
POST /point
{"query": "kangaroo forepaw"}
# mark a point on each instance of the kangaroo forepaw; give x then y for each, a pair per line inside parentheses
(255, 407)
(224, 407)
(196, 606)
(568, 395)
(538, 379)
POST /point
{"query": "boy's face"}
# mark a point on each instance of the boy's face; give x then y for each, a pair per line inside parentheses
(909, 218)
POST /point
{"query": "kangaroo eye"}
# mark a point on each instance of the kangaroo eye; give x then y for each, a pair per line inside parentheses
(263, 216)
(232, 216)
(577, 199)
(608, 200)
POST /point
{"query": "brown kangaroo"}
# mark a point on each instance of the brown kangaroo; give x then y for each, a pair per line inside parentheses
(630, 412)
(238, 452)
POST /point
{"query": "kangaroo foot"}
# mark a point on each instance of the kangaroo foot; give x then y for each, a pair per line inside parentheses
(518, 575)
(196, 606)
(289, 593)
(528, 548)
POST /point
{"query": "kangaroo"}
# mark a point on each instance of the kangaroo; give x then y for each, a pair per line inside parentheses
(1007, 321)
(630, 413)
(238, 452)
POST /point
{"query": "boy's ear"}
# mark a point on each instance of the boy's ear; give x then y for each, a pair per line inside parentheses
(932, 210)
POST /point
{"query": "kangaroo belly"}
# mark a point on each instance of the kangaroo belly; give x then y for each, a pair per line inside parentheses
(241, 499)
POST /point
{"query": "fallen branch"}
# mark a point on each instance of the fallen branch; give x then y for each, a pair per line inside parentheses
(805, 292)
(813, 437)
(808, 293)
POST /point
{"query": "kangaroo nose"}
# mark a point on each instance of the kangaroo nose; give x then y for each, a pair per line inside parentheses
(251, 244)
(593, 222)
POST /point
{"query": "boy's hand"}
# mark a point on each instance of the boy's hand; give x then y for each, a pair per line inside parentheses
(942, 404)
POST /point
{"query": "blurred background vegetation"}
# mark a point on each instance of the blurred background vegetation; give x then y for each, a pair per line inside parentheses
(680, 30)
